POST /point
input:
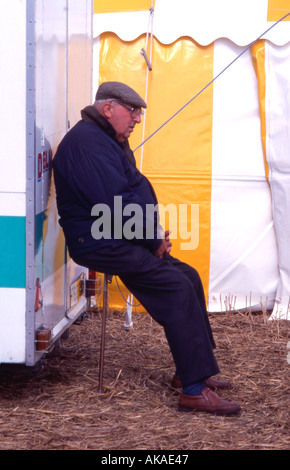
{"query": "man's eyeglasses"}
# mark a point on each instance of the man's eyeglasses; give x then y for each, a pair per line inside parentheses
(134, 110)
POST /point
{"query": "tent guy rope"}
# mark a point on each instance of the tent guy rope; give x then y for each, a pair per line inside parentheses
(211, 81)
(149, 68)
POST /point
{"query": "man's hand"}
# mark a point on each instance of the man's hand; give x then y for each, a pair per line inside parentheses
(165, 246)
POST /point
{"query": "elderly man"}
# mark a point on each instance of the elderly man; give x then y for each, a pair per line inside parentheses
(97, 184)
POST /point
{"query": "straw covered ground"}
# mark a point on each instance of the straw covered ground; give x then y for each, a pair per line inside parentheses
(57, 406)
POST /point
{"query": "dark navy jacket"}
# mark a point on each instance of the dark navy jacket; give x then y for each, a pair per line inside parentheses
(91, 167)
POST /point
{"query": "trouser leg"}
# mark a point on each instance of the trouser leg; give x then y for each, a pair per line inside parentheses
(169, 296)
(195, 279)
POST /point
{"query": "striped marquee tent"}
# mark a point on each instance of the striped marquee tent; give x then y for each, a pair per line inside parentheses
(216, 134)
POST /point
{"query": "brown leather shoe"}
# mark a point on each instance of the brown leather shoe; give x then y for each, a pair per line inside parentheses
(211, 383)
(209, 402)
(214, 384)
(176, 382)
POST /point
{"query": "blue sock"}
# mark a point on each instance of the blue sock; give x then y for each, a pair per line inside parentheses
(194, 389)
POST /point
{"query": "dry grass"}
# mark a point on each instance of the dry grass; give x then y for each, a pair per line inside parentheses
(57, 406)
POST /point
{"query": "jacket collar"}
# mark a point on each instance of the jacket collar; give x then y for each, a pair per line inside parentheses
(91, 114)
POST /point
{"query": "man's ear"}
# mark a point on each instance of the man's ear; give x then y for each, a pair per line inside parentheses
(107, 110)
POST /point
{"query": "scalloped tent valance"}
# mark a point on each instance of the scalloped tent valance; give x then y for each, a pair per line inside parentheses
(204, 21)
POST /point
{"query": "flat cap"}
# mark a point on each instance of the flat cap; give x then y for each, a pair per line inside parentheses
(121, 92)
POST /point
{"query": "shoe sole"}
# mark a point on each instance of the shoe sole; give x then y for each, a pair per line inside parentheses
(186, 409)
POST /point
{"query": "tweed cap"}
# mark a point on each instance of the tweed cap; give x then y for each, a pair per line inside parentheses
(121, 92)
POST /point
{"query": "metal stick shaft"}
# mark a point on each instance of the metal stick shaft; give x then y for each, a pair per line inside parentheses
(103, 332)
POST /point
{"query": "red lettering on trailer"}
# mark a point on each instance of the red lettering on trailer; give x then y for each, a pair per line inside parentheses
(39, 165)
(44, 160)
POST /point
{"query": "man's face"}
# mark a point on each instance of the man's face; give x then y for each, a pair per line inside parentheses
(123, 120)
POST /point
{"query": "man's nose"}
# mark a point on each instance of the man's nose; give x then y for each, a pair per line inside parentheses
(137, 118)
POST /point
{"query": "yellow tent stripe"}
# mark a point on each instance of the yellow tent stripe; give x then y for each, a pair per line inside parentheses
(178, 159)
(277, 9)
(110, 6)
(258, 57)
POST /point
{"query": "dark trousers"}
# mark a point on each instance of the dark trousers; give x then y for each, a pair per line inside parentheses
(172, 293)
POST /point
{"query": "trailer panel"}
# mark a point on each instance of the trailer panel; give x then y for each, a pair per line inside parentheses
(41, 289)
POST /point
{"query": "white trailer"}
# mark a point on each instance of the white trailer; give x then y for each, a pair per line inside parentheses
(46, 78)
